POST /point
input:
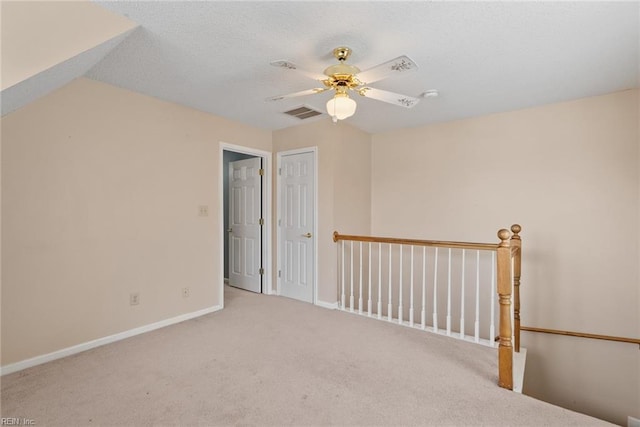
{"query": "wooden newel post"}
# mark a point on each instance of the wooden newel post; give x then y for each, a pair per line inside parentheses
(505, 349)
(516, 247)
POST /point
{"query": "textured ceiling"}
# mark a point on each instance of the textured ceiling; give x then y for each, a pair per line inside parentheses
(482, 57)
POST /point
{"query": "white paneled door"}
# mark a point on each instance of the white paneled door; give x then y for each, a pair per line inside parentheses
(296, 223)
(244, 224)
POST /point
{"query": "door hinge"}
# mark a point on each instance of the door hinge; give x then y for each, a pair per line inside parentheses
(261, 221)
(261, 172)
(280, 223)
(279, 273)
(279, 171)
(261, 271)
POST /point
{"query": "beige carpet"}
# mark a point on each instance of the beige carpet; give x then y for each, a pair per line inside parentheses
(273, 361)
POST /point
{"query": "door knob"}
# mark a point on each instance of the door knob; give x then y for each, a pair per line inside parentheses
(229, 230)
(308, 235)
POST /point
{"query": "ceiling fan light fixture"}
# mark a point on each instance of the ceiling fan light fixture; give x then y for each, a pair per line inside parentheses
(341, 107)
(342, 78)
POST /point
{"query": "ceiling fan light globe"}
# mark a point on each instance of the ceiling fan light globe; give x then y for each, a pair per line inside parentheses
(341, 107)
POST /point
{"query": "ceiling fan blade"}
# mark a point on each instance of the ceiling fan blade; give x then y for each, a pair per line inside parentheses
(295, 94)
(395, 66)
(291, 66)
(390, 97)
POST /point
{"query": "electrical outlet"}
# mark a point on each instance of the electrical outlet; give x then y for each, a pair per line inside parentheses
(203, 210)
(134, 298)
(185, 292)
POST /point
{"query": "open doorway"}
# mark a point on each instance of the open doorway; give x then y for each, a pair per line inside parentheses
(245, 210)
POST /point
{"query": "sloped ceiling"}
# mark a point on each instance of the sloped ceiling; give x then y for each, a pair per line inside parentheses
(47, 44)
(482, 57)
(42, 83)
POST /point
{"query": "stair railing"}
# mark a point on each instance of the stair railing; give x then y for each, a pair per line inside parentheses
(493, 274)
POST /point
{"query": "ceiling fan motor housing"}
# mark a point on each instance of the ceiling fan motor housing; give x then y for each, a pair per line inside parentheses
(341, 77)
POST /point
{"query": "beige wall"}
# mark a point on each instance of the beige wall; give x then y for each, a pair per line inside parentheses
(352, 182)
(569, 174)
(36, 35)
(100, 196)
(344, 189)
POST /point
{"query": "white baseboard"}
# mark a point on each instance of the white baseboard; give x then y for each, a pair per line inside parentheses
(329, 305)
(519, 361)
(39, 360)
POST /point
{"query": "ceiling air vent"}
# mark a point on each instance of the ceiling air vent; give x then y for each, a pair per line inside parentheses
(303, 112)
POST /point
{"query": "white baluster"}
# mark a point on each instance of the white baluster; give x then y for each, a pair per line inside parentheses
(492, 328)
(411, 295)
(400, 313)
(342, 299)
(477, 323)
(389, 305)
(360, 286)
(435, 292)
(449, 295)
(462, 297)
(379, 280)
(369, 275)
(423, 314)
(351, 274)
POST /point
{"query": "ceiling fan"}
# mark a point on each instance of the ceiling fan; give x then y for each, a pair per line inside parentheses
(343, 78)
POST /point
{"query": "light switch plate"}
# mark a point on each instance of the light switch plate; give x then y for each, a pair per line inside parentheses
(134, 298)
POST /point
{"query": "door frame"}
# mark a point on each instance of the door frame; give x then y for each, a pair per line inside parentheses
(279, 155)
(267, 285)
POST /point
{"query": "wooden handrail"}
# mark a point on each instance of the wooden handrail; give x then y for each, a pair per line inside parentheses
(415, 242)
(581, 335)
